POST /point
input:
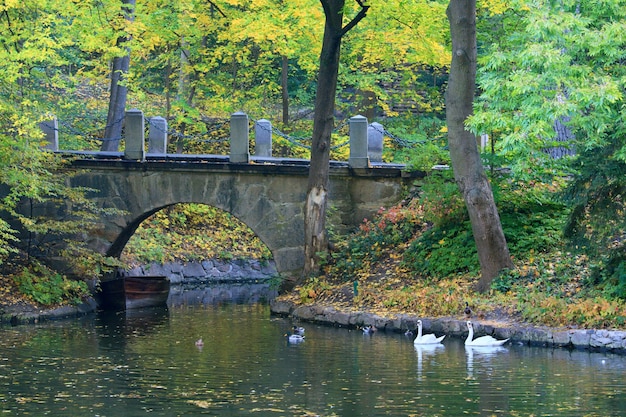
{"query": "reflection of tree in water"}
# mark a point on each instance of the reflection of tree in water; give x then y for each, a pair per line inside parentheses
(131, 363)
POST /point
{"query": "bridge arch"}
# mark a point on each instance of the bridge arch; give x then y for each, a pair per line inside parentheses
(268, 197)
(197, 232)
(272, 208)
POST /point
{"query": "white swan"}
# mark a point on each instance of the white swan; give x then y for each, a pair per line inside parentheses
(483, 340)
(427, 339)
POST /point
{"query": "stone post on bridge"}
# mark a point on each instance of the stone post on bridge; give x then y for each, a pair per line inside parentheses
(50, 128)
(135, 139)
(358, 143)
(375, 137)
(239, 138)
(157, 136)
(263, 138)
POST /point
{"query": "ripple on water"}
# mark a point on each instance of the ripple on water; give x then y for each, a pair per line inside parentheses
(132, 365)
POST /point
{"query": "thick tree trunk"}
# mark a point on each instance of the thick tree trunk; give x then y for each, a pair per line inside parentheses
(315, 237)
(119, 92)
(316, 240)
(493, 251)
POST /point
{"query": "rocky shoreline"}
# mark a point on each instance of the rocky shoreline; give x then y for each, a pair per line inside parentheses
(587, 339)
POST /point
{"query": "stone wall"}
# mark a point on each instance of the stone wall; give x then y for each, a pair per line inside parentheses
(209, 271)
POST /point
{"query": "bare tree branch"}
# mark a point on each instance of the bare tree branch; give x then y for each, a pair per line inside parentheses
(362, 13)
(216, 8)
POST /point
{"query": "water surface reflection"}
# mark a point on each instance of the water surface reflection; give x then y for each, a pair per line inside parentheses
(146, 363)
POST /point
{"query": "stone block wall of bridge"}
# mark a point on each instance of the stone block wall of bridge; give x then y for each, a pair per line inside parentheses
(269, 198)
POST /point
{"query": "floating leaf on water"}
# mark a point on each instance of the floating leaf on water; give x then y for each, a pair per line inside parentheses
(273, 410)
(200, 403)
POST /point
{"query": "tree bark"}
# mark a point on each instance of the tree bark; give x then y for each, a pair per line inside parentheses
(284, 78)
(184, 91)
(119, 91)
(493, 252)
(316, 239)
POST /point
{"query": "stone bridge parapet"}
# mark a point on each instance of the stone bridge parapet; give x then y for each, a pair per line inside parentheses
(266, 193)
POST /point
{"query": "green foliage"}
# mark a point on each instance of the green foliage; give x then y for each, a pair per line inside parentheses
(552, 61)
(39, 65)
(553, 289)
(444, 251)
(7, 234)
(191, 232)
(417, 142)
(422, 156)
(32, 180)
(447, 248)
(503, 282)
(391, 228)
(597, 223)
(531, 215)
(609, 273)
(48, 288)
(441, 199)
(310, 290)
(531, 219)
(85, 262)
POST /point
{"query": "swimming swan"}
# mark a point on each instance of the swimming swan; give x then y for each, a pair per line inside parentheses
(427, 339)
(483, 340)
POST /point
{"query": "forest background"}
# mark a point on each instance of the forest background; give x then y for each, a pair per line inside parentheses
(550, 98)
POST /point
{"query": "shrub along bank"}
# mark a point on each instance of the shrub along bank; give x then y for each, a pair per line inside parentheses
(419, 257)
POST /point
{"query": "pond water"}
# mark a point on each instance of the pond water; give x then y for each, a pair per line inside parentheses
(146, 363)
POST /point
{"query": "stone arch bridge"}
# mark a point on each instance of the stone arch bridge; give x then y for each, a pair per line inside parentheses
(268, 195)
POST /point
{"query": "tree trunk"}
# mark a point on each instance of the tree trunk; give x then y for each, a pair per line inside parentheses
(284, 78)
(493, 251)
(564, 135)
(183, 90)
(119, 92)
(316, 239)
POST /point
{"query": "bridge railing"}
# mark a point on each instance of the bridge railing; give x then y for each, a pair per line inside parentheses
(365, 140)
